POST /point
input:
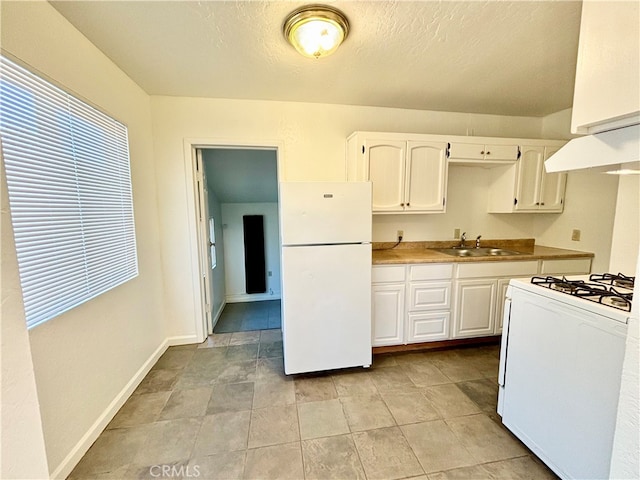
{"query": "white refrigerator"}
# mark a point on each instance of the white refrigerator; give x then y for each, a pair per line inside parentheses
(325, 229)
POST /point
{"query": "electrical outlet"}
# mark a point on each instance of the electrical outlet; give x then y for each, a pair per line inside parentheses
(456, 233)
(270, 273)
(575, 235)
(400, 235)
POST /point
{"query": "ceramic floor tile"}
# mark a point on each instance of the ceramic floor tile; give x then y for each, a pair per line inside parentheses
(242, 353)
(322, 419)
(424, 374)
(271, 369)
(223, 432)
(272, 393)
(436, 446)
(111, 452)
(354, 383)
(237, 372)
(198, 377)
(483, 393)
(384, 360)
(392, 379)
(216, 340)
(186, 403)
(158, 381)
(140, 409)
(231, 397)
(169, 441)
(521, 468)
(174, 359)
(244, 338)
(486, 441)
(255, 323)
(221, 466)
(280, 462)
(314, 389)
(449, 401)
(366, 412)
(331, 458)
(464, 473)
(458, 369)
(273, 426)
(386, 455)
(409, 407)
(270, 349)
(273, 335)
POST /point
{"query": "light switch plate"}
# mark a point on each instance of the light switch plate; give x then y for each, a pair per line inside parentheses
(575, 235)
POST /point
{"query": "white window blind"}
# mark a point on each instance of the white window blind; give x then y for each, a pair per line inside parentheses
(69, 182)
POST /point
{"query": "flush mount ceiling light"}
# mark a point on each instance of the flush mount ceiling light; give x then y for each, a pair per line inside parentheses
(316, 30)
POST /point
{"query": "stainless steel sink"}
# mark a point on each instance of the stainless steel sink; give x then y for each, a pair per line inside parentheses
(476, 252)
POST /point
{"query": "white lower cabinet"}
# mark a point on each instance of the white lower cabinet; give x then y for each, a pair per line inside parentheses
(440, 301)
(479, 295)
(475, 308)
(422, 317)
(388, 314)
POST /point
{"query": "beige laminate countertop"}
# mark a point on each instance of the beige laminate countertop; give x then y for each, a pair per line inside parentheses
(423, 252)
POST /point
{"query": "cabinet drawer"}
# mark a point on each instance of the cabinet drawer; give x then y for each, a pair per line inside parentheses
(387, 274)
(497, 269)
(437, 271)
(427, 327)
(565, 266)
(430, 296)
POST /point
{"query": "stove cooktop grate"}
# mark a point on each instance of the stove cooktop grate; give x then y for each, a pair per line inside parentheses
(603, 293)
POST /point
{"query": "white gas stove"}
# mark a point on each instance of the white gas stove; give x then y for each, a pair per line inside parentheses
(563, 345)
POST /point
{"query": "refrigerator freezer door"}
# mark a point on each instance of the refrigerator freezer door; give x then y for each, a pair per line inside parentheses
(315, 213)
(326, 308)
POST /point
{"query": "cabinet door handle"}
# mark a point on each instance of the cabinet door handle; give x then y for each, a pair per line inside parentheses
(402, 204)
(488, 153)
(482, 152)
(542, 203)
(408, 204)
(537, 203)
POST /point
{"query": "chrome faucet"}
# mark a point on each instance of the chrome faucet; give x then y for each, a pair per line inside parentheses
(478, 241)
(463, 238)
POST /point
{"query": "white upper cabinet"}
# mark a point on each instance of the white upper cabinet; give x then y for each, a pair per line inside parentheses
(386, 162)
(526, 186)
(471, 153)
(426, 177)
(607, 89)
(407, 176)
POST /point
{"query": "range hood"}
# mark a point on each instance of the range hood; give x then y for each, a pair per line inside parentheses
(607, 149)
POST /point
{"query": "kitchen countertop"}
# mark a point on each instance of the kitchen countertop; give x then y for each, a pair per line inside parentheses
(424, 252)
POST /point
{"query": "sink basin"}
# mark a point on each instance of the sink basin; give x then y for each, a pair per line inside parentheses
(476, 252)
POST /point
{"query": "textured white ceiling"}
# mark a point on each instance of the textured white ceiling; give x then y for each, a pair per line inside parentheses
(500, 57)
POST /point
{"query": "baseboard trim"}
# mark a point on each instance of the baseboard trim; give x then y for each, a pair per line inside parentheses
(253, 297)
(216, 317)
(182, 340)
(67, 465)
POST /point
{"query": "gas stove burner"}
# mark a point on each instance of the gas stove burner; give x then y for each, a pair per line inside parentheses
(624, 283)
(619, 302)
(563, 287)
(619, 280)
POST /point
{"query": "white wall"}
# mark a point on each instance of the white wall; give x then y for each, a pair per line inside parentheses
(590, 205)
(626, 227)
(22, 450)
(87, 360)
(466, 209)
(233, 232)
(312, 139)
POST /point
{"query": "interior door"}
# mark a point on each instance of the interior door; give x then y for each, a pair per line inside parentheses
(207, 244)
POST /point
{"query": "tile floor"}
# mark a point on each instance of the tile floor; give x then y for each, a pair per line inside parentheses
(225, 410)
(248, 316)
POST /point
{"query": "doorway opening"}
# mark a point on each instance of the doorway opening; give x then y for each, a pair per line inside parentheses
(239, 237)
